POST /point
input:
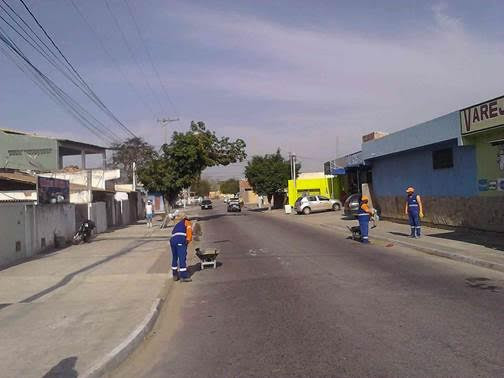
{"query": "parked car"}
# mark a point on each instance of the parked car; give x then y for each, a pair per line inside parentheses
(233, 205)
(206, 204)
(351, 207)
(309, 204)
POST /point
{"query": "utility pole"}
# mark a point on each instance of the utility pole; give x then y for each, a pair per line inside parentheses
(164, 122)
(294, 170)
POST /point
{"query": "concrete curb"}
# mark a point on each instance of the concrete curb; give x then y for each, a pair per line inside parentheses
(117, 355)
(440, 253)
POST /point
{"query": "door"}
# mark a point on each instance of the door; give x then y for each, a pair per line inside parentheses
(324, 202)
(314, 203)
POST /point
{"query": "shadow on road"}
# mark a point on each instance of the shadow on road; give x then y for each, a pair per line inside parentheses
(399, 233)
(216, 216)
(64, 369)
(196, 267)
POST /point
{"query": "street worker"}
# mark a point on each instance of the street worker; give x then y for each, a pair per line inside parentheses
(365, 213)
(414, 210)
(149, 213)
(180, 239)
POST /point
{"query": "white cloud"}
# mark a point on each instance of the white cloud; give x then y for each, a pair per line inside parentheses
(321, 85)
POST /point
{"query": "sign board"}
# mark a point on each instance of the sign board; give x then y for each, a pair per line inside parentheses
(483, 116)
(52, 190)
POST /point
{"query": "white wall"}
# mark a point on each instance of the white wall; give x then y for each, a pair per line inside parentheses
(99, 176)
(9, 195)
(99, 216)
(27, 230)
(12, 228)
(51, 221)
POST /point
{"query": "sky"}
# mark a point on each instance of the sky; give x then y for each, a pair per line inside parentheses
(309, 77)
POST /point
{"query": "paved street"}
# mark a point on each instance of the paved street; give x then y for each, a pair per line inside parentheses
(297, 300)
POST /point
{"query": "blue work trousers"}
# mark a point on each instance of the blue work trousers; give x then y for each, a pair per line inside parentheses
(179, 255)
(364, 228)
(414, 221)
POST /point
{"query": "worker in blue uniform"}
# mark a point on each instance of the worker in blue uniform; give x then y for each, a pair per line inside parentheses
(364, 215)
(414, 211)
(180, 239)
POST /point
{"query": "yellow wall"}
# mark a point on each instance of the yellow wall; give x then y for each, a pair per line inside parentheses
(316, 186)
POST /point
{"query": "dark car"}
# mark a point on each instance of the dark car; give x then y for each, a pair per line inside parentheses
(351, 207)
(206, 204)
(233, 205)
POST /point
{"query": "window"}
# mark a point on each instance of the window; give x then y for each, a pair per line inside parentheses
(312, 198)
(323, 198)
(442, 158)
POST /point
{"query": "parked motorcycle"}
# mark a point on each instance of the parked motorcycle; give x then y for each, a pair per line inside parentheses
(84, 232)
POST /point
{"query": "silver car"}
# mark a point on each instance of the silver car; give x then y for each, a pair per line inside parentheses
(309, 204)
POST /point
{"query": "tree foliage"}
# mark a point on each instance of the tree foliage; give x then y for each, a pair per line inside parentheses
(131, 150)
(181, 161)
(269, 174)
(230, 186)
(201, 187)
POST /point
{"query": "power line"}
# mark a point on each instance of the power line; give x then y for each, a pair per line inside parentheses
(56, 93)
(111, 57)
(93, 95)
(133, 55)
(147, 50)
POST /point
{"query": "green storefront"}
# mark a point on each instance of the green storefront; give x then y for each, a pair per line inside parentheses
(482, 125)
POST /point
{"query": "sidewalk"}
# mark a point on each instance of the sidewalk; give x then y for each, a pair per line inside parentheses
(76, 310)
(484, 249)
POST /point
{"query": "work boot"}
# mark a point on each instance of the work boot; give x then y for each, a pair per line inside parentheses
(175, 278)
(186, 280)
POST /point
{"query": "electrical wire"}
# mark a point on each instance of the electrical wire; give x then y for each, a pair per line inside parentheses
(111, 57)
(91, 94)
(149, 56)
(132, 54)
(55, 92)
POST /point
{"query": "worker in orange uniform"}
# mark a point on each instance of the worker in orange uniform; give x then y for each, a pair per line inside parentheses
(364, 215)
(414, 210)
(180, 239)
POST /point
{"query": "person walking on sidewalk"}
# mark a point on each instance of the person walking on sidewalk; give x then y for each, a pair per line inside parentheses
(414, 210)
(180, 239)
(365, 213)
(149, 213)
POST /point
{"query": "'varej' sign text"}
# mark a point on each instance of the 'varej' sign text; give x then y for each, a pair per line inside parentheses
(483, 116)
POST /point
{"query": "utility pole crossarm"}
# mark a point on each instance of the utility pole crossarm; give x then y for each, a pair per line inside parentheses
(164, 122)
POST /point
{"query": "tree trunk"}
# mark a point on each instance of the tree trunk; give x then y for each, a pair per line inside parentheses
(270, 201)
(167, 208)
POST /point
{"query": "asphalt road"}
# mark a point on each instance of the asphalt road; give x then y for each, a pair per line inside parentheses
(295, 300)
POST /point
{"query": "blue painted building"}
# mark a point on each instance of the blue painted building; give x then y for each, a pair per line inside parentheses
(446, 168)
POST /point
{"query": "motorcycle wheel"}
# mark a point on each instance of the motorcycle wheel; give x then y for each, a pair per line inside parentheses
(76, 239)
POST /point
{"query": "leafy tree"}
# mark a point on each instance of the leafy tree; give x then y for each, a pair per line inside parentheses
(131, 150)
(181, 161)
(269, 174)
(201, 187)
(230, 186)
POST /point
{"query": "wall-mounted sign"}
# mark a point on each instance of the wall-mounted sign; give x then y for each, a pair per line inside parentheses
(52, 190)
(483, 185)
(482, 116)
(492, 185)
(500, 184)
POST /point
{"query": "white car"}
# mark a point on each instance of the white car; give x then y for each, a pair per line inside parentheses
(309, 204)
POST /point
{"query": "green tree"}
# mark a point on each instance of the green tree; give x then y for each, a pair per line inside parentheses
(201, 187)
(269, 174)
(230, 186)
(181, 162)
(126, 153)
